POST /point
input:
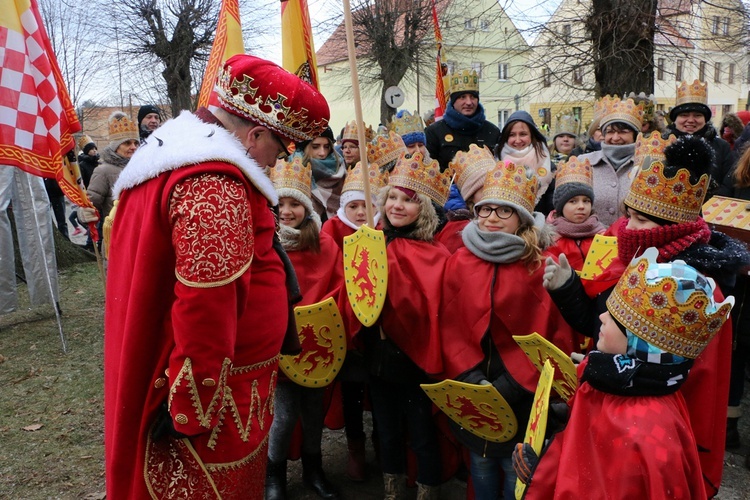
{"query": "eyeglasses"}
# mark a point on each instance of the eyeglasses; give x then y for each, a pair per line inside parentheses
(502, 212)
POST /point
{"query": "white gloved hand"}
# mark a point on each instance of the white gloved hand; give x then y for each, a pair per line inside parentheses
(555, 275)
(86, 215)
(576, 357)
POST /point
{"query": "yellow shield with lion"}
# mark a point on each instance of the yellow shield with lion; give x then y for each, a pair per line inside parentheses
(539, 350)
(366, 273)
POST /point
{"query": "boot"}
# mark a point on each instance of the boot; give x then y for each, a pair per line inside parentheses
(314, 478)
(395, 486)
(276, 480)
(355, 465)
(733, 434)
(425, 492)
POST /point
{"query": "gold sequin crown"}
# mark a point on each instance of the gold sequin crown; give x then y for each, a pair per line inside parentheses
(675, 199)
(670, 305)
(350, 132)
(512, 183)
(355, 182)
(575, 170)
(407, 124)
(292, 175)
(422, 175)
(465, 81)
(626, 111)
(467, 164)
(567, 123)
(384, 149)
(122, 128)
(650, 148)
(692, 92)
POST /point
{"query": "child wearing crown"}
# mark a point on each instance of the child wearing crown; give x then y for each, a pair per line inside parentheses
(629, 432)
(317, 262)
(492, 290)
(663, 209)
(575, 224)
(403, 349)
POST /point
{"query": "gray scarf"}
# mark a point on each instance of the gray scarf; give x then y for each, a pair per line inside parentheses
(618, 155)
(496, 247)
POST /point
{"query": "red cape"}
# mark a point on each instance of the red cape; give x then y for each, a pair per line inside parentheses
(621, 447)
(575, 250)
(520, 306)
(412, 303)
(335, 228)
(450, 235)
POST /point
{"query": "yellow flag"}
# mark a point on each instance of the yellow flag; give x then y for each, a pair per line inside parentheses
(297, 48)
(227, 43)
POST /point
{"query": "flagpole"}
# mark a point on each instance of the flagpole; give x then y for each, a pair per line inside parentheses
(358, 112)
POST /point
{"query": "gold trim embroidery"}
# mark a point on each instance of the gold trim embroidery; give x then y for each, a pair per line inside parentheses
(237, 370)
(241, 462)
(226, 281)
(186, 373)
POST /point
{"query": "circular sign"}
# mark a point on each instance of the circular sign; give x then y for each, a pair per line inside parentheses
(394, 97)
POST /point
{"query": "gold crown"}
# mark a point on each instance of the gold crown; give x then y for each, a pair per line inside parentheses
(122, 128)
(467, 164)
(384, 149)
(567, 123)
(355, 182)
(292, 175)
(650, 148)
(274, 113)
(350, 132)
(649, 104)
(652, 302)
(83, 140)
(465, 81)
(575, 170)
(407, 124)
(675, 199)
(512, 183)
(598, 111)
(422, 175)
(627, 111)
(692, 92)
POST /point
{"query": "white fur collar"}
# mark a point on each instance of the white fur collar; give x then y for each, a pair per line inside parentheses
(184, 141)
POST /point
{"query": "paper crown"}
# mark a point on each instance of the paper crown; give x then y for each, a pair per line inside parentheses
(648, 102)
(350, 132)
(422, 175)
(121, 128)
(668, 305)
(263, 92)
(384, 149)
(576, 170)
(83, 140)
(511, 182)
(465, 81)
(613, 109)
(406, 124)
(675, 199)
(468, 164)
(567, 123)
(650, 148)
(692, 92)
(292, 175)
(598, 111)
(355, 182)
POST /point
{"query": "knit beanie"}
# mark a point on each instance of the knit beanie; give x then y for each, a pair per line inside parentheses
(565, 192)
(147, 109)
(88, 147)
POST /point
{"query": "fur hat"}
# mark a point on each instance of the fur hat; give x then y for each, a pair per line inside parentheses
(574, 178)
(121, 129)
(264, 93)
(147, 109)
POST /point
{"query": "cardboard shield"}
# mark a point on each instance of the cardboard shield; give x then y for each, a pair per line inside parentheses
(538, 419)
(323, 340)
(479, 409)
(540, 350)
(366, 273)
(603, 250)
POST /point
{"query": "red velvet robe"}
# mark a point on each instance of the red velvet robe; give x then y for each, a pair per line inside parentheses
(208, 342)
(450, 235)
(621, 447)
(520, 306)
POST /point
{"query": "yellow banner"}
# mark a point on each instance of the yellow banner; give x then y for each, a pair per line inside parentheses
(227, 43)
(297, 46)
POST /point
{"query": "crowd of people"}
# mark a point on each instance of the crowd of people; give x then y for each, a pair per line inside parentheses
(237, 214)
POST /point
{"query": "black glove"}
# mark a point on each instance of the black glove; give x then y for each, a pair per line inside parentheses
(524, 461)
(557, 416)
(164, 426)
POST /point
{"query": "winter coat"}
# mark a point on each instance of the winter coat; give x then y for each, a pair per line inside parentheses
(444, 142)
(87, 164)
(103, 180)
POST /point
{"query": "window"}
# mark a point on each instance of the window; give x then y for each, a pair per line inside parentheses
(702, 71)
(725, 25)
(730, 79)
(468, 24)
(478, 67)
(577, 113)
(484, 25)
(678, 70)
(660, 69)
(546, 77)
(578, 76)
(660, 107)
(502, 117)
(717, 72)
(566, 33)
(726, 109)
(715, 25)
(502, 71)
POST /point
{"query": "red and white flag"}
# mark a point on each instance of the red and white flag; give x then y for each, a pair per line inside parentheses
(37, 118)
